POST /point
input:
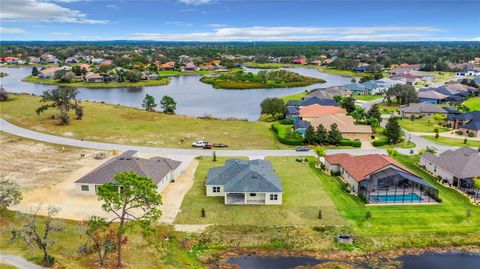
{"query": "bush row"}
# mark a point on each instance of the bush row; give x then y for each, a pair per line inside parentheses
(351, 143)
(380, 142)
(286, 135)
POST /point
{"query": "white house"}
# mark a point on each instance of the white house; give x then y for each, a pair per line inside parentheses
(161, 170)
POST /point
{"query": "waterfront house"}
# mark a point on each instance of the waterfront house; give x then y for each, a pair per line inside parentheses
(457, 167)
(299, 61)
(245, 182)
(329, 93)
(94, 78)
(315, 111)
(161, 170)
(378, 179)
(48, 73)
(346, 125)
(357, 88)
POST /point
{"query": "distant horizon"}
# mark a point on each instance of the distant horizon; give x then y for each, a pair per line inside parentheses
(240, 20)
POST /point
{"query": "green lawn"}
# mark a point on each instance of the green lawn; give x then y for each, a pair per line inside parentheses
(388, 109)
(405, 145)
(408, 224)
(297, 96)
(452, 141)
(7, 266)
(117, 124)
(302, 199)
(363, 97)
(423, 125)
(141, 83)
(180, 73)
(473, 103)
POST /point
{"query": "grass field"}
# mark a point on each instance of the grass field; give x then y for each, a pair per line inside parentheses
(297, 96)
(363, 97)
(180, 73)
(160, 253)
(388, 109)
(405, 145)
(473, 103)
(141, 83)
(423, 125)
(412, 224)
(452, 141)
(117, 124)
(302, 199)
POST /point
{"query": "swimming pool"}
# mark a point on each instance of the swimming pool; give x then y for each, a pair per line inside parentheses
(399, 198)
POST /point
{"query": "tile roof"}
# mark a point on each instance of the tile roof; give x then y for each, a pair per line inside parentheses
(245, 176)
(315, 111)
(155, 168)
(361, 166)
(462, 162)
(345, 124)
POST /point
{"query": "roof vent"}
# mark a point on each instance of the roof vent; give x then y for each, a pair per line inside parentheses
(121, 158)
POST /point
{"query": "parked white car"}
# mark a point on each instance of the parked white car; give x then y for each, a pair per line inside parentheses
(199, 144)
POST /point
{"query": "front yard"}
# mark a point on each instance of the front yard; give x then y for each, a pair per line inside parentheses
(473, 103)
(423, 125)
(452, 141)
(302, 199)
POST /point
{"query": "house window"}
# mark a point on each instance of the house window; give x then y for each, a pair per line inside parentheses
(253, 194)
(273, 197)
(85, 188)
(216, 189)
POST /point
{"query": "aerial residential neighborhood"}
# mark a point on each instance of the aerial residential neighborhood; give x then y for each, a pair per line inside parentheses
(239, 134)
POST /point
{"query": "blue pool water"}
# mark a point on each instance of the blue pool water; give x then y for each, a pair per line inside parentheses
(399, 198)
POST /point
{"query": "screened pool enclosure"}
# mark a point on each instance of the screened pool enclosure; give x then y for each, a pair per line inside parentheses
(395, 186)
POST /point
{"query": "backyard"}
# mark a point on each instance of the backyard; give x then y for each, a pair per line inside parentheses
(407, 222)
(452, 141)
(423, 125)
(302, 199)
(125, 125)
(386, 108)
(141, 83)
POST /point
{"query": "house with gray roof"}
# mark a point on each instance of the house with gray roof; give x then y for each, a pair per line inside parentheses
(458, 167)
(161, 170)
(245, 182)
(424, 109)
(328, 93)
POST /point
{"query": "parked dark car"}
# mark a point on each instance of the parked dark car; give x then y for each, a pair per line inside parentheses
(207, 146)
(302, 149)
(220, 145)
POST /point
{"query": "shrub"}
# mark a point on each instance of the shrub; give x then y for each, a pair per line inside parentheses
(356, 144)
(286, 135)
(470, 134)
(380, 142)
(346, 142)
(458, 132)
(286, 122)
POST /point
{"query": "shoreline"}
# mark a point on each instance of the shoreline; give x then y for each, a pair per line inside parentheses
(341, 257)
(147, 83)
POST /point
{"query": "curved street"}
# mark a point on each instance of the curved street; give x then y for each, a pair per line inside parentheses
(7, 127)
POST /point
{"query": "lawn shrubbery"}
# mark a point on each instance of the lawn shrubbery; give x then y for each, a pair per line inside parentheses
(286, 135)
(350, 143)
(380, 142)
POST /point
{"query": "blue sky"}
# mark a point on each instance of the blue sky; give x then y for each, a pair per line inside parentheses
(240, 20)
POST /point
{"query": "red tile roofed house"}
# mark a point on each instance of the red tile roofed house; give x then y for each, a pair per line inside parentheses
(316, 111)
(93, 77)
(378, 178)
(299, 61)
(10, 60)
(105, 62)
(167, 66)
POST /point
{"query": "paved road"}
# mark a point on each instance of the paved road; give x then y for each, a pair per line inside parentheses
(368, 104)
(7, 127)
(18, 261)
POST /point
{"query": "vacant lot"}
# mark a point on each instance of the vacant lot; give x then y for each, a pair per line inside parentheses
(117, 124)
(423, 125)
(303, 198)
(452, 141)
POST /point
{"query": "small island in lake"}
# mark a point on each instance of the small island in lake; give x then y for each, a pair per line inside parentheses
(263, 79)
(2, 74)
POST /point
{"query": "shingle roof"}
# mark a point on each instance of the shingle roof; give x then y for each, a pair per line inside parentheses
(430, 94)
(155, 168)
(314, 111)
(319, 101)
(329, 93)
(462, 162)
(354, 87)
(361, 166)
(245, 176)
(424, 107)
(293, 103)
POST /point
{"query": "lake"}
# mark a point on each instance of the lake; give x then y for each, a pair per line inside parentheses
(428, 260)
(193, 97)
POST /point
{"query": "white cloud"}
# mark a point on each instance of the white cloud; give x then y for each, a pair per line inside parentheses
(61, 33)
(195, 2)
(216, 25)
(179, 23)
(16, 31)
(112, 6)
(36, 10)
(265, 33)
